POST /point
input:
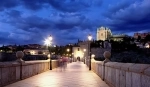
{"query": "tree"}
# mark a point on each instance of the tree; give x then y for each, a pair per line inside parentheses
(40, 52)
(147, 38)
(19, 48)
(139, 38)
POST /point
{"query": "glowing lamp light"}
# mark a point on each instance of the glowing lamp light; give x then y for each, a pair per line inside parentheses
(92, 55)
(50, 38)
(48, 55)
(84, 50)
(33, 52)
(48, 41)
(147, 46)
(68, 50)
(89, 37)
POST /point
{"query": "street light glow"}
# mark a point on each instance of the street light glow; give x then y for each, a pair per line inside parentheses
(68, 50)
(89, 37)
(50, 38)
(48, 56)
(93, 55)
(84, 50)
(48, 41)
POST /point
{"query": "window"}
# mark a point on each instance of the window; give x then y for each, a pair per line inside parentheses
(101, 34)
(78, 49)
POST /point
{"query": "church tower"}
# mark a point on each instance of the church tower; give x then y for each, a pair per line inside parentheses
(103, 33)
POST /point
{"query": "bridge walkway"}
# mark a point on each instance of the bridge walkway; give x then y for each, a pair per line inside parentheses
(75, 75)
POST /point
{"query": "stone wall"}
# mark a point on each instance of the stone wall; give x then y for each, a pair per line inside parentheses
(98, 52)
(12, 71)
(123, 74)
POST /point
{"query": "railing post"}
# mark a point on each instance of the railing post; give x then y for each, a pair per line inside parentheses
(107, 56)
(19, 55)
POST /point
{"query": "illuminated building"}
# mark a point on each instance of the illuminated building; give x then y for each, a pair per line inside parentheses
(103, 33)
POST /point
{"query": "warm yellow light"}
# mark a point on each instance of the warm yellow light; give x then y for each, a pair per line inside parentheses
(78, 54)
(44, 53)
(92, 55)
(48, 55)
(147, 46)
(33, 52)
(68, 50)
(89, 37)
(84, 50)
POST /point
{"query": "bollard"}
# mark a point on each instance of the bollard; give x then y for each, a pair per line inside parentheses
(107, 56)
(19, 55)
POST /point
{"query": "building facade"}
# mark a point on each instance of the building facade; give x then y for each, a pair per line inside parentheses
(81, 51)
(36, 51)
(142, 35)
(118, 37)
(103, 33)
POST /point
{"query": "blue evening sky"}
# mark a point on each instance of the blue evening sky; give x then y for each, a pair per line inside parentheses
(32, 21)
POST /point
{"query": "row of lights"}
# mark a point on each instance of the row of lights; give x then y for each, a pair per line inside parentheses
(48, 42)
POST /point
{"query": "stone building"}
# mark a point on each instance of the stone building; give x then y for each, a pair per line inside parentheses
(82, 51)
(118, 37)
(103, 33)
(36, 51)
(142, 35)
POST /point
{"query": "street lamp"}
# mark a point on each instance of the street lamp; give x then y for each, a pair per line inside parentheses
(68, 50)
(48, 42)
(68, 53)
(72, 58)
(89, 38)
(84, 54)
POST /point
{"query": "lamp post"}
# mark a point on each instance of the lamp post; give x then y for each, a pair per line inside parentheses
(68, 50)
(72, 59)
(68, 53)
(84, 54)
(89, 38)
(48, 42)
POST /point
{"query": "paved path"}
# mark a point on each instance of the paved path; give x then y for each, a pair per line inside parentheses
(75, 75)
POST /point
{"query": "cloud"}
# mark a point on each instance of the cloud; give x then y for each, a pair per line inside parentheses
(13, 13)
(61, 5)
(59, 21)
(73, 5)
(130, 17)
(34, 4)
(8, 4)
(69, 20)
